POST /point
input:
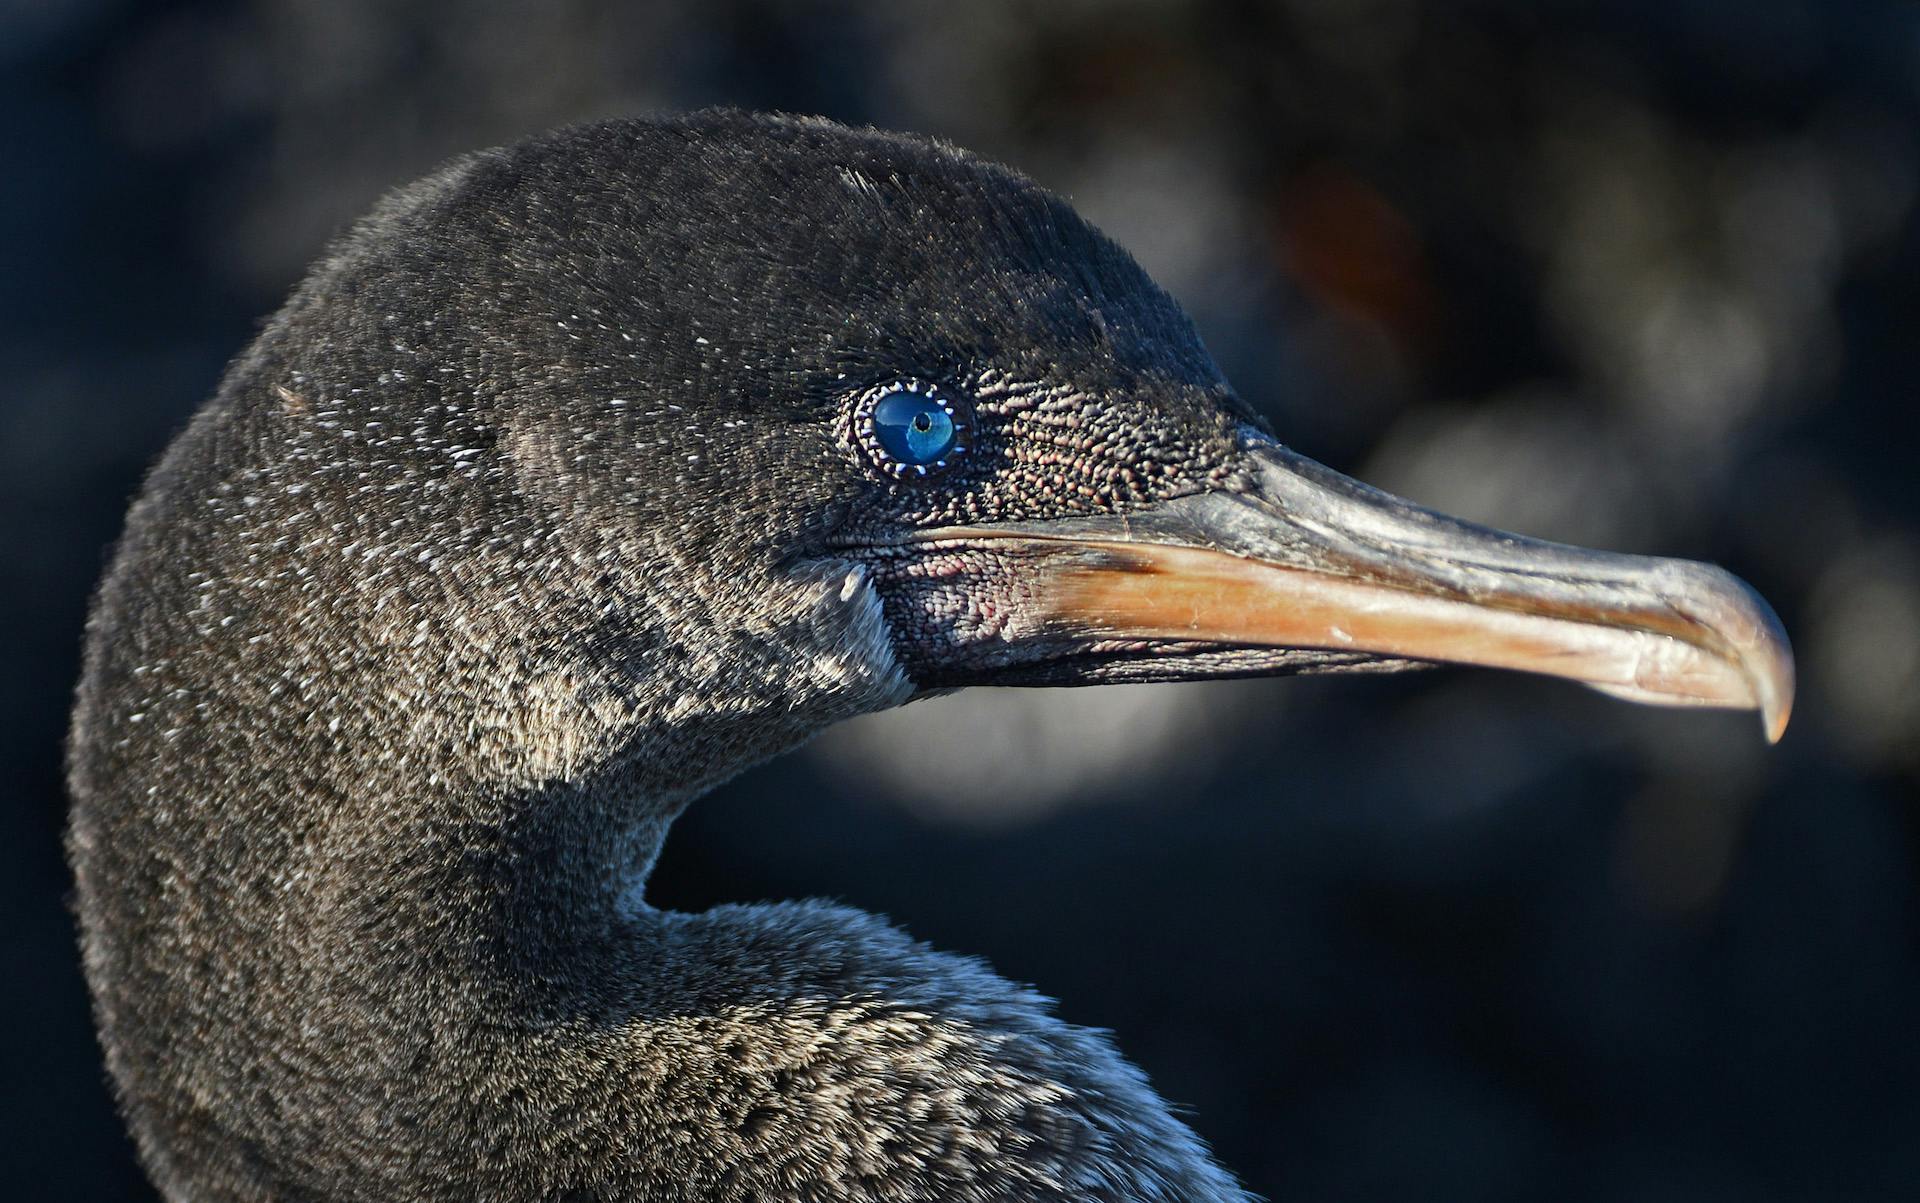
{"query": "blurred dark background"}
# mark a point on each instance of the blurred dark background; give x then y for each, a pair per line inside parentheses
(1635, 273)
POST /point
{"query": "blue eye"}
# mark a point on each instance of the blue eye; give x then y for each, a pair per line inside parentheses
(913, 429)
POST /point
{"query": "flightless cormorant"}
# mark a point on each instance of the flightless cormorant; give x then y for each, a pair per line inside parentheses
(584, 474)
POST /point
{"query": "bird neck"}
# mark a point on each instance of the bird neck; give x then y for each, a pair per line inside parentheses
(384, 771)
(518, 816)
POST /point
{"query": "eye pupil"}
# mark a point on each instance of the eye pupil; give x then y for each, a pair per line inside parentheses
(912, 429)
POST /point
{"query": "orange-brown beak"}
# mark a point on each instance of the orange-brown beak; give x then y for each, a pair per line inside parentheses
(1297, 556)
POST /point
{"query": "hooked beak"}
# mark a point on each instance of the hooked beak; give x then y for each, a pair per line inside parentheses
(1301, 557)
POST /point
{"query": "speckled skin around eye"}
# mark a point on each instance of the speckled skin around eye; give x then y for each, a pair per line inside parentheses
(964, 613)
(1049, 450)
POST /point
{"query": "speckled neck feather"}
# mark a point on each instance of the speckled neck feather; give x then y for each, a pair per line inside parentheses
(479, 567)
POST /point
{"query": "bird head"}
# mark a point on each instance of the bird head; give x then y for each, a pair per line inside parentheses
(695, 435)
(880, 360)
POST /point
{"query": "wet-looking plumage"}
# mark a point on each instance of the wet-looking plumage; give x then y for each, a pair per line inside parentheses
(585, 474)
